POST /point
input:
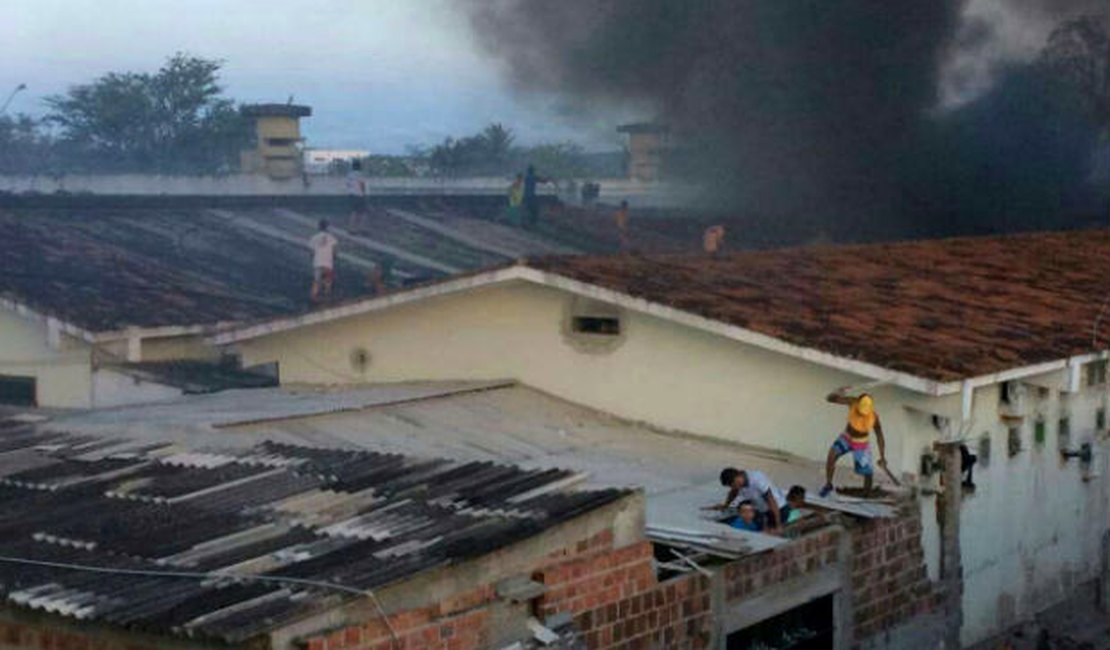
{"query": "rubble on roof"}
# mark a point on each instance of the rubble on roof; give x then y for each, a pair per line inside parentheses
(312, 526)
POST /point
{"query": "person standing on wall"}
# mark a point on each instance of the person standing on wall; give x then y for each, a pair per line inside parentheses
(531, 199)
(323, 245)
(856, 438)
(516, 199)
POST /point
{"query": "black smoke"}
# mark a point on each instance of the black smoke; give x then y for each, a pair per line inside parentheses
(822, 115)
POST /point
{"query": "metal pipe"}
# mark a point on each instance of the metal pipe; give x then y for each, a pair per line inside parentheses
(11, 96)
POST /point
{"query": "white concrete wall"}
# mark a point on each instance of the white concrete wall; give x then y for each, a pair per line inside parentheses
(662, 373)
(1030, 532)
(63, 375)
(245, 184)
(113, 388)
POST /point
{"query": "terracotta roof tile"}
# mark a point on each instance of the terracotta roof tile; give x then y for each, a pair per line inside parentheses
(941, 309)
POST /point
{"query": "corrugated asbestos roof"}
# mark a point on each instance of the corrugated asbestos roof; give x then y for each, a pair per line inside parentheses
(356, 519)
(939, 309)
(187, 261)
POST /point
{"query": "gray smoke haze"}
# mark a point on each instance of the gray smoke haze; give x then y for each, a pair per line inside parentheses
(785, 108)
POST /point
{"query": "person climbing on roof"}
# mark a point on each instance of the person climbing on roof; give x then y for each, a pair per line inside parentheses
(516, 199)
(621, 217)
(755, 486)
(855, 438)
(323, 245)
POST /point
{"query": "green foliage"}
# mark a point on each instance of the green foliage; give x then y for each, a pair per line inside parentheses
(175, 120)
(24, 146)
(491, 153)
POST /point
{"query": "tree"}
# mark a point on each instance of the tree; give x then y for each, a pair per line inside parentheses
(25, 148)
(498, 141)
(175, 120)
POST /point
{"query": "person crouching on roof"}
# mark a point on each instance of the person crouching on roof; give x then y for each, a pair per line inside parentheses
(855, 439)
(755, 487)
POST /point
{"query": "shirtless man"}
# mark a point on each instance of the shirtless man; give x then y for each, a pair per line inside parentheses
(855, 439)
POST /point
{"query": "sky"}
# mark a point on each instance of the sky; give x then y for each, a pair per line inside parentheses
(379, 74)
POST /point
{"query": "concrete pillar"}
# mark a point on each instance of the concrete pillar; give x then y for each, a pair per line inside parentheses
(134, 349)
(951, 561)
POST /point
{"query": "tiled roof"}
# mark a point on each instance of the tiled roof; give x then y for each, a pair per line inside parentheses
(939, 309)
(353, 519)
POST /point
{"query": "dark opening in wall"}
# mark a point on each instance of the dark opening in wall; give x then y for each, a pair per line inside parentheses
(603, 325)
(1096, 373)
(18, 391)
(1100, 418)
(1013, 439)
(808, 627)
(1039, 431)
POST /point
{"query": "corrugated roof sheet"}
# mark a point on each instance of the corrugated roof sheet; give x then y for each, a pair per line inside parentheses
(940, 309)
(356, 519)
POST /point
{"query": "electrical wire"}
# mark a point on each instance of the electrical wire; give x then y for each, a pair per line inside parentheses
(210, 575)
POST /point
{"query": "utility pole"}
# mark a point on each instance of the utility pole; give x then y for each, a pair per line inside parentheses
(11, 96)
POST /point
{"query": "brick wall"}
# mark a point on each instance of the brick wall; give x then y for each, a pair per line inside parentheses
(889, 580)
(615, 600)
(807, 555)
(611, 593)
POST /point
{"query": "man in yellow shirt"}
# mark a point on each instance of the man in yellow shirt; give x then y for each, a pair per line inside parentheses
(855, 439)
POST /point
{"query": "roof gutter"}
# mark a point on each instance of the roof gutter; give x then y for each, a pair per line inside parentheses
(56, 325)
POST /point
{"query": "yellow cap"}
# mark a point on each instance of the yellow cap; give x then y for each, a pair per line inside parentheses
(865, 405)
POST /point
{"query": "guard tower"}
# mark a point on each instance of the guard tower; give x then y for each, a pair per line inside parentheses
(276, 150)
(647, 146)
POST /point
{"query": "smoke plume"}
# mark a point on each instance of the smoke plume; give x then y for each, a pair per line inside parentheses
(803, 110)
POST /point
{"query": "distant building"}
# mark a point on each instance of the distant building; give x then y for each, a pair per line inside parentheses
(319, 161)
(277, 139)
(647, 146)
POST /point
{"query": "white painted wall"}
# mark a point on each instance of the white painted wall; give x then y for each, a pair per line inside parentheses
(245, 185)
(662, 373)
(113, 388)
(1030, 532)
(63, 375)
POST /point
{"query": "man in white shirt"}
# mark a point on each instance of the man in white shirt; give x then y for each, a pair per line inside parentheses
(323, 245)
(753, 485)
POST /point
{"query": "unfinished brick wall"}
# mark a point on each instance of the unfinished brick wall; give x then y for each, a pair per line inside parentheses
(616, 601)
(890, 584)
(807, 555)
(611, 593)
